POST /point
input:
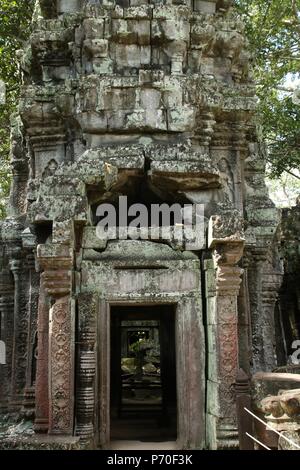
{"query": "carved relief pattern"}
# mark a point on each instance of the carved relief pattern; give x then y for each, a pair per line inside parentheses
(223, 317)
(41, 386)
(7, 309)
(85, 397)
(32, 308)
(61, 367)
(227, 286)
(20, 335)
(228, 361)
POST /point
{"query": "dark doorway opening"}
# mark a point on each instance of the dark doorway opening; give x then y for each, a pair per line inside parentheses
(143, 373)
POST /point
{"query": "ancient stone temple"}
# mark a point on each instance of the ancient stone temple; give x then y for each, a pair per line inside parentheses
(152, 100)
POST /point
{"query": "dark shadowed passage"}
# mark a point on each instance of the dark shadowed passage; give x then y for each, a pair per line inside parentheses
(143, 373)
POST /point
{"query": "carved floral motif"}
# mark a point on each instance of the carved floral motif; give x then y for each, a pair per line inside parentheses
(61, 356)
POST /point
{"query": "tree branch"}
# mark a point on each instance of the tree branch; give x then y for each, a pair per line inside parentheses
(288, 171)
(295, 11)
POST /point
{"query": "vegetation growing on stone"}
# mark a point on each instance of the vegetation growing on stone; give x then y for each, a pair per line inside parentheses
(15, 18)
(273, 30)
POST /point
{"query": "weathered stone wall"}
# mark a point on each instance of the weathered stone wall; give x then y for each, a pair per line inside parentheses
(276, 395)
(153, 100)
(289, 296)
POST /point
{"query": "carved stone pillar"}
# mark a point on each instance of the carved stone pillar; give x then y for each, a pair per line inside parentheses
(86, 371)
(244, 323)
(32, 307)
(41, 384)
(11, 236)
(20, 336)
(61, 367)
(7, 329)
(270, 288)
(57, 260)
(256, 258)
(223, 279)
(263, 284)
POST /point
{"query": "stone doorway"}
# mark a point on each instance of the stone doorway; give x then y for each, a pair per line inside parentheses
(143, 392)
(134, 273)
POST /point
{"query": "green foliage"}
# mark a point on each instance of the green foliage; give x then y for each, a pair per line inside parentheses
(15, 18)
(273, 30)
(284, 190)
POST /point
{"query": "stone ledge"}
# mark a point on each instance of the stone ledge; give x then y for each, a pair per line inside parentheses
(42, 443)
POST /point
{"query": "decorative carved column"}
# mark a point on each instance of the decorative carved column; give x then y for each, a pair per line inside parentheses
(263, 283)
(61, 367)
(223, 283)
(57, 261)
(270, 288)
(244, 323)
(41, 384)
(11, 235)
(32, 310)
(256, 258)
(86, 371)
(7, 329)
(20, 335)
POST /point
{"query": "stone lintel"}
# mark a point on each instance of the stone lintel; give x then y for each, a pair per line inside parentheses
(54, 257)
(57, 262)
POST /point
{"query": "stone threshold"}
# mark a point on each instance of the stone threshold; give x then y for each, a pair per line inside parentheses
(139, 445)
